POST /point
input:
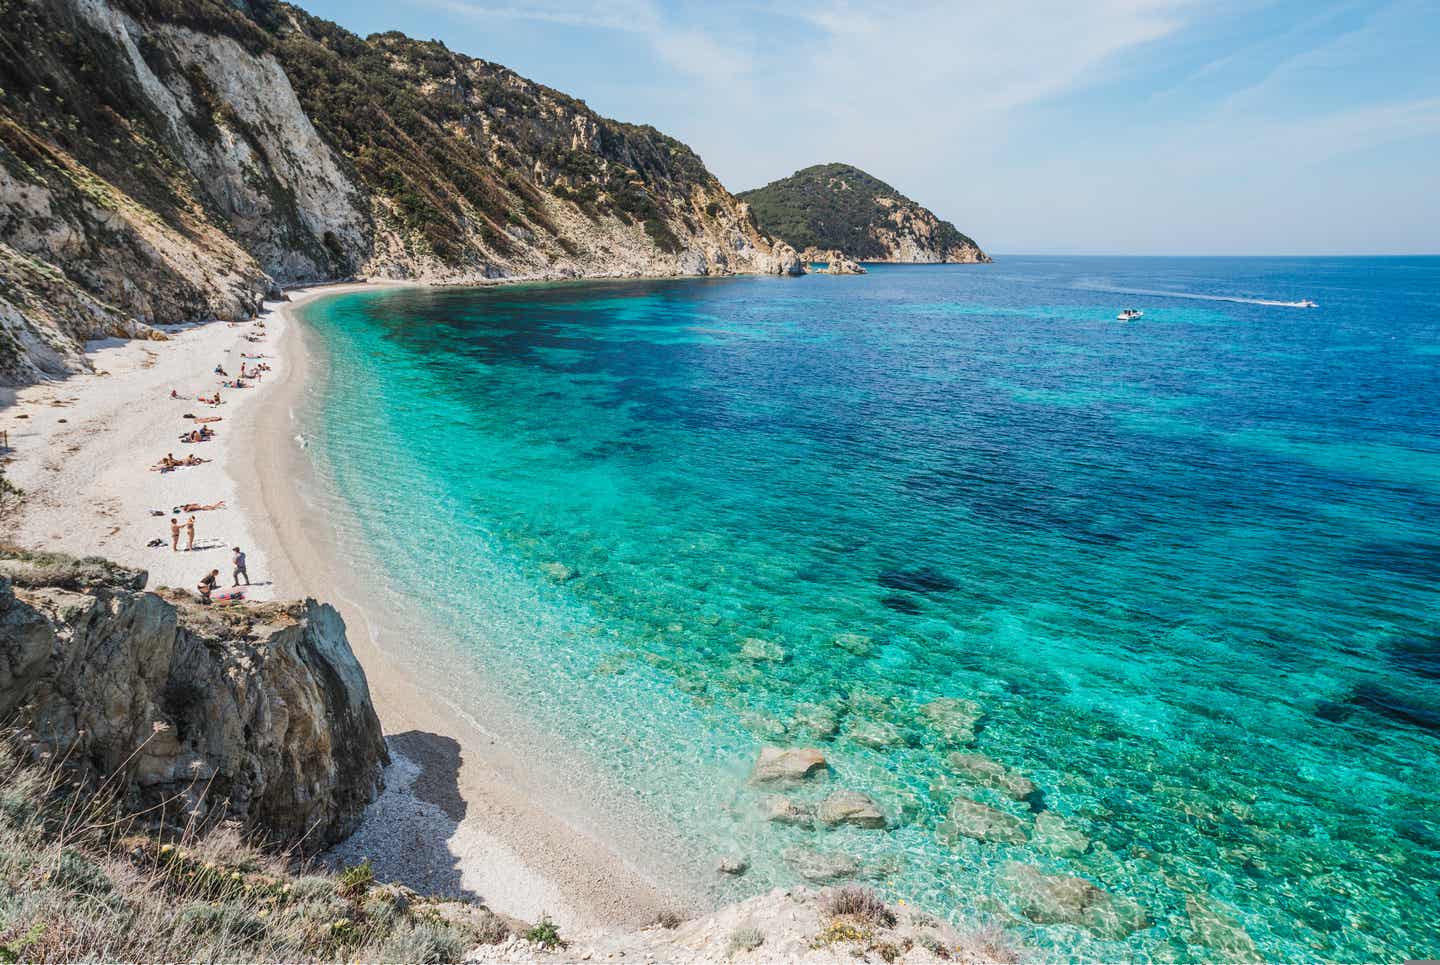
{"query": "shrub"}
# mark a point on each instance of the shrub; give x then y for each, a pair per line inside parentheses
(492, 930)
(546, 934)
(356, 880)
(861, 904)
(746, 940)
(931, 943)
(668, 918)
(423, 942)
(311, 886)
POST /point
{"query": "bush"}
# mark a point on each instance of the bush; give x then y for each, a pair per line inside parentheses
(931, 943)
(861, 904)
(423, 942)
(492, 930)
(669, 918)
(356, 880)
(546, 934)
(746, 940)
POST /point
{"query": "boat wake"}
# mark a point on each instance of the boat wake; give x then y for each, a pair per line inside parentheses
(1197, 295)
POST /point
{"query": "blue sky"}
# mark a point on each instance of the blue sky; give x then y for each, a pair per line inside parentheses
(1144, 126)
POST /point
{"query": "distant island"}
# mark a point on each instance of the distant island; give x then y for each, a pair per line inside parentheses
(840, 208)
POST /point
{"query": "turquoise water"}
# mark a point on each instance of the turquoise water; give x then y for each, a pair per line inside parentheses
(1186, 566)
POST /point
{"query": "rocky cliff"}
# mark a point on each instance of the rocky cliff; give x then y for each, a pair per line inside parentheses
(257, 714)
(841, 208)
(171, 160)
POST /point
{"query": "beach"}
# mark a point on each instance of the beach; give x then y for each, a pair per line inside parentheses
(466, 810)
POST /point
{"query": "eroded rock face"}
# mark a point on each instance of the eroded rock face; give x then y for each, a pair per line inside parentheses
(258, 714)
(787, 764)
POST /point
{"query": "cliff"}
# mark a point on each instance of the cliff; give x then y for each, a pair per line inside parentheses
(257, 715)
(174, 160)
(841, 208)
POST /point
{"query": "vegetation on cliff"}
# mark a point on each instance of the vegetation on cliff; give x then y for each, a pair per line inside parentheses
(82, 881)
(172, 160)
(841, 208)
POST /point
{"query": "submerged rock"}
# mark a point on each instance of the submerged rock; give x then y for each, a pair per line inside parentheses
(900, 604)
(782, 810)
(1220, 932)
(984, 823)
(821, 719)
(754, 648)
(850, 807)
(733, 865)
(856, 643)
(1055, 837)
(924, 579)
(779, 764)
(875, 733)
(1067, 900)
(821, 866)
(558, 572)
(952, 718)
(979, 769)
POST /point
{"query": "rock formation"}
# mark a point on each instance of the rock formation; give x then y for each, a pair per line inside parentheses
(839, 208)
(257, 714)
(166, 162)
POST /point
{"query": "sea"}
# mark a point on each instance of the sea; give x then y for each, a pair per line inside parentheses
(1180, 574)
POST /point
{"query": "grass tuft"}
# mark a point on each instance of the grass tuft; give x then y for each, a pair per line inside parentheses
(746, 940)
(862, 904)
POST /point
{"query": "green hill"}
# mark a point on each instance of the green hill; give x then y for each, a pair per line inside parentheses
(840, 207)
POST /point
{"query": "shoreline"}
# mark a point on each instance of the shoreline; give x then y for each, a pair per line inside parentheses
(480, 807)
(466, 810)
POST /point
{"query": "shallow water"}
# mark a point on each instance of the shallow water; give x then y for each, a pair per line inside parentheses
(1187, 566)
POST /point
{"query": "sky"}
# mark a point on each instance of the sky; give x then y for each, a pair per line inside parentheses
(1036, 126)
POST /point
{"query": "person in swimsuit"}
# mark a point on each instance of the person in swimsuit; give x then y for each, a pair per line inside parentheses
(174, 535)
(239, 562)
(208, 584)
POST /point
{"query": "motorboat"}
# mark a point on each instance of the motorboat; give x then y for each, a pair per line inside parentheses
(1307, 303)
(1130, 314)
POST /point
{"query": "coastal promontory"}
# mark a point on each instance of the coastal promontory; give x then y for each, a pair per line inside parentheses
(841, 208)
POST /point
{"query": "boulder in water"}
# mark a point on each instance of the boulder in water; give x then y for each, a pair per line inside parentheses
(754, 648)
(875, 733)
(821, 866)
(952, 718)
(1054, 836)
(787, 764)
(821, 719)
(558, 572)
(850, 807)
(981, 770)
(733, 865)
(781, 810)
(1219, 931)
(984, 823)
(857, 643)
(1067, 900)
(924, 579)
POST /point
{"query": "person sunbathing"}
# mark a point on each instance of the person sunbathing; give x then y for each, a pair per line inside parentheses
(193, 460)
(198, 507)
(168, 463)
(220, 370)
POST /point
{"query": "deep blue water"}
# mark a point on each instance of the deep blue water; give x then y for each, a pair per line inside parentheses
(1186, 566)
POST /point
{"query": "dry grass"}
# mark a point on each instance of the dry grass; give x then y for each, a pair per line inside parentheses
(862, 904)
(80, 882)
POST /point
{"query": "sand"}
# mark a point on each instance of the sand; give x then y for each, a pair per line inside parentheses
(476, 805)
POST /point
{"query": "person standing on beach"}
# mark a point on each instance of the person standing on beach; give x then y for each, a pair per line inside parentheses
(240, 570)
(190, 534)
(174, 535)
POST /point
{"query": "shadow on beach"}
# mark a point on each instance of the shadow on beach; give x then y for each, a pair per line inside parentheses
(405, 834)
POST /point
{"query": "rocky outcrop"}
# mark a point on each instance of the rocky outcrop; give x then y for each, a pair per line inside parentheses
(257, 714)
(790, 925)
(839, 208)
(169, 162)
(835, 262)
